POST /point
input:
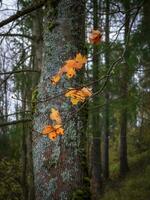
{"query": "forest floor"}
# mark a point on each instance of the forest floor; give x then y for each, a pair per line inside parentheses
(136, 185)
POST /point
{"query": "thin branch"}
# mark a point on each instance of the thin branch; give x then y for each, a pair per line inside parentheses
(15, 35)
(16, 113)
(15, 122)
(19, 71)
(22, 13)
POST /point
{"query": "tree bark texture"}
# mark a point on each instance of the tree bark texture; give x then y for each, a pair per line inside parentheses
(58, 165)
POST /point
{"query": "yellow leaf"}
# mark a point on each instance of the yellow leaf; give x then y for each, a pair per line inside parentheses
(78, 95)
(71, 72)
(55, 115)
(74, 101)
(55, 79)
(80, 61)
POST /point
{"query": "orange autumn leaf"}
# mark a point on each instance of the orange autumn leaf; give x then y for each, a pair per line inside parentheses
(70, 92)
(55, 79)
(70, 68)
(56, 130)
(70, 63)
(53, 131)
(95, 37)
(47, 129)
(80, 61)
(77, 95)
(71, 72)
(55, 115)
(87, 92)
(52, 135)
(59, 130)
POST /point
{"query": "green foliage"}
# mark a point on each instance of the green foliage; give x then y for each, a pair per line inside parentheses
(10, 186)
(4, 141)
(81, 194)
(34, 100)
(78, 195)
(137, 183)
(15, 142)
(84, 192)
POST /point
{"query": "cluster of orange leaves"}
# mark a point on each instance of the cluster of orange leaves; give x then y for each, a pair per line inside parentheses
(95, 37)
(52, 131)
(70, 68)
(76, 95)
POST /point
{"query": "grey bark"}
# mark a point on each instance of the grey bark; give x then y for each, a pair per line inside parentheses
(37, 53)
(58, 169)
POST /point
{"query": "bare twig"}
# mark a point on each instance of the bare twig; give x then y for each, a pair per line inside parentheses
(22, 12)
(16, 35)
(15, 122)
(19, 71)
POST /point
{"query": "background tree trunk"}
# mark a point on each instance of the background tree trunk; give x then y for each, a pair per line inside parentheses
(105, 158)
(37, 54)
(96, 180)
(124, 93)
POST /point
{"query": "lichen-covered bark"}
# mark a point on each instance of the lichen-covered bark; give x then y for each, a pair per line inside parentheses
(57, 164)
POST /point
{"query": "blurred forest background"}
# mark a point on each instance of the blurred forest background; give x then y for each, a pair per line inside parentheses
(117, 115)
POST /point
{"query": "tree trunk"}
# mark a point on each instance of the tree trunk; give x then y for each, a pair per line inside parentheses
(124, 92)
(24, 153)
(96, 180)
(105, 159)
(58, 165)
(37, 53)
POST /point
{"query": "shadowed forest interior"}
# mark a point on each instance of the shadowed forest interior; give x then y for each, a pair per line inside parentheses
(74, 100)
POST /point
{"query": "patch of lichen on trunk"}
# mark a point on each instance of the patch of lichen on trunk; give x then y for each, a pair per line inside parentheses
(57, 163)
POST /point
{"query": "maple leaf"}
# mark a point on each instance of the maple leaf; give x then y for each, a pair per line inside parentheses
(87, 92)
(71, 72)
(80, 61)
(77, 95)
(69, 68)
(55, 79)
(70, 63)
(70, 92)
(59, 130)
(53, 131)
(47, 129)
(95, 37)
(55, 115)
(74, 101)
(52, 135)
